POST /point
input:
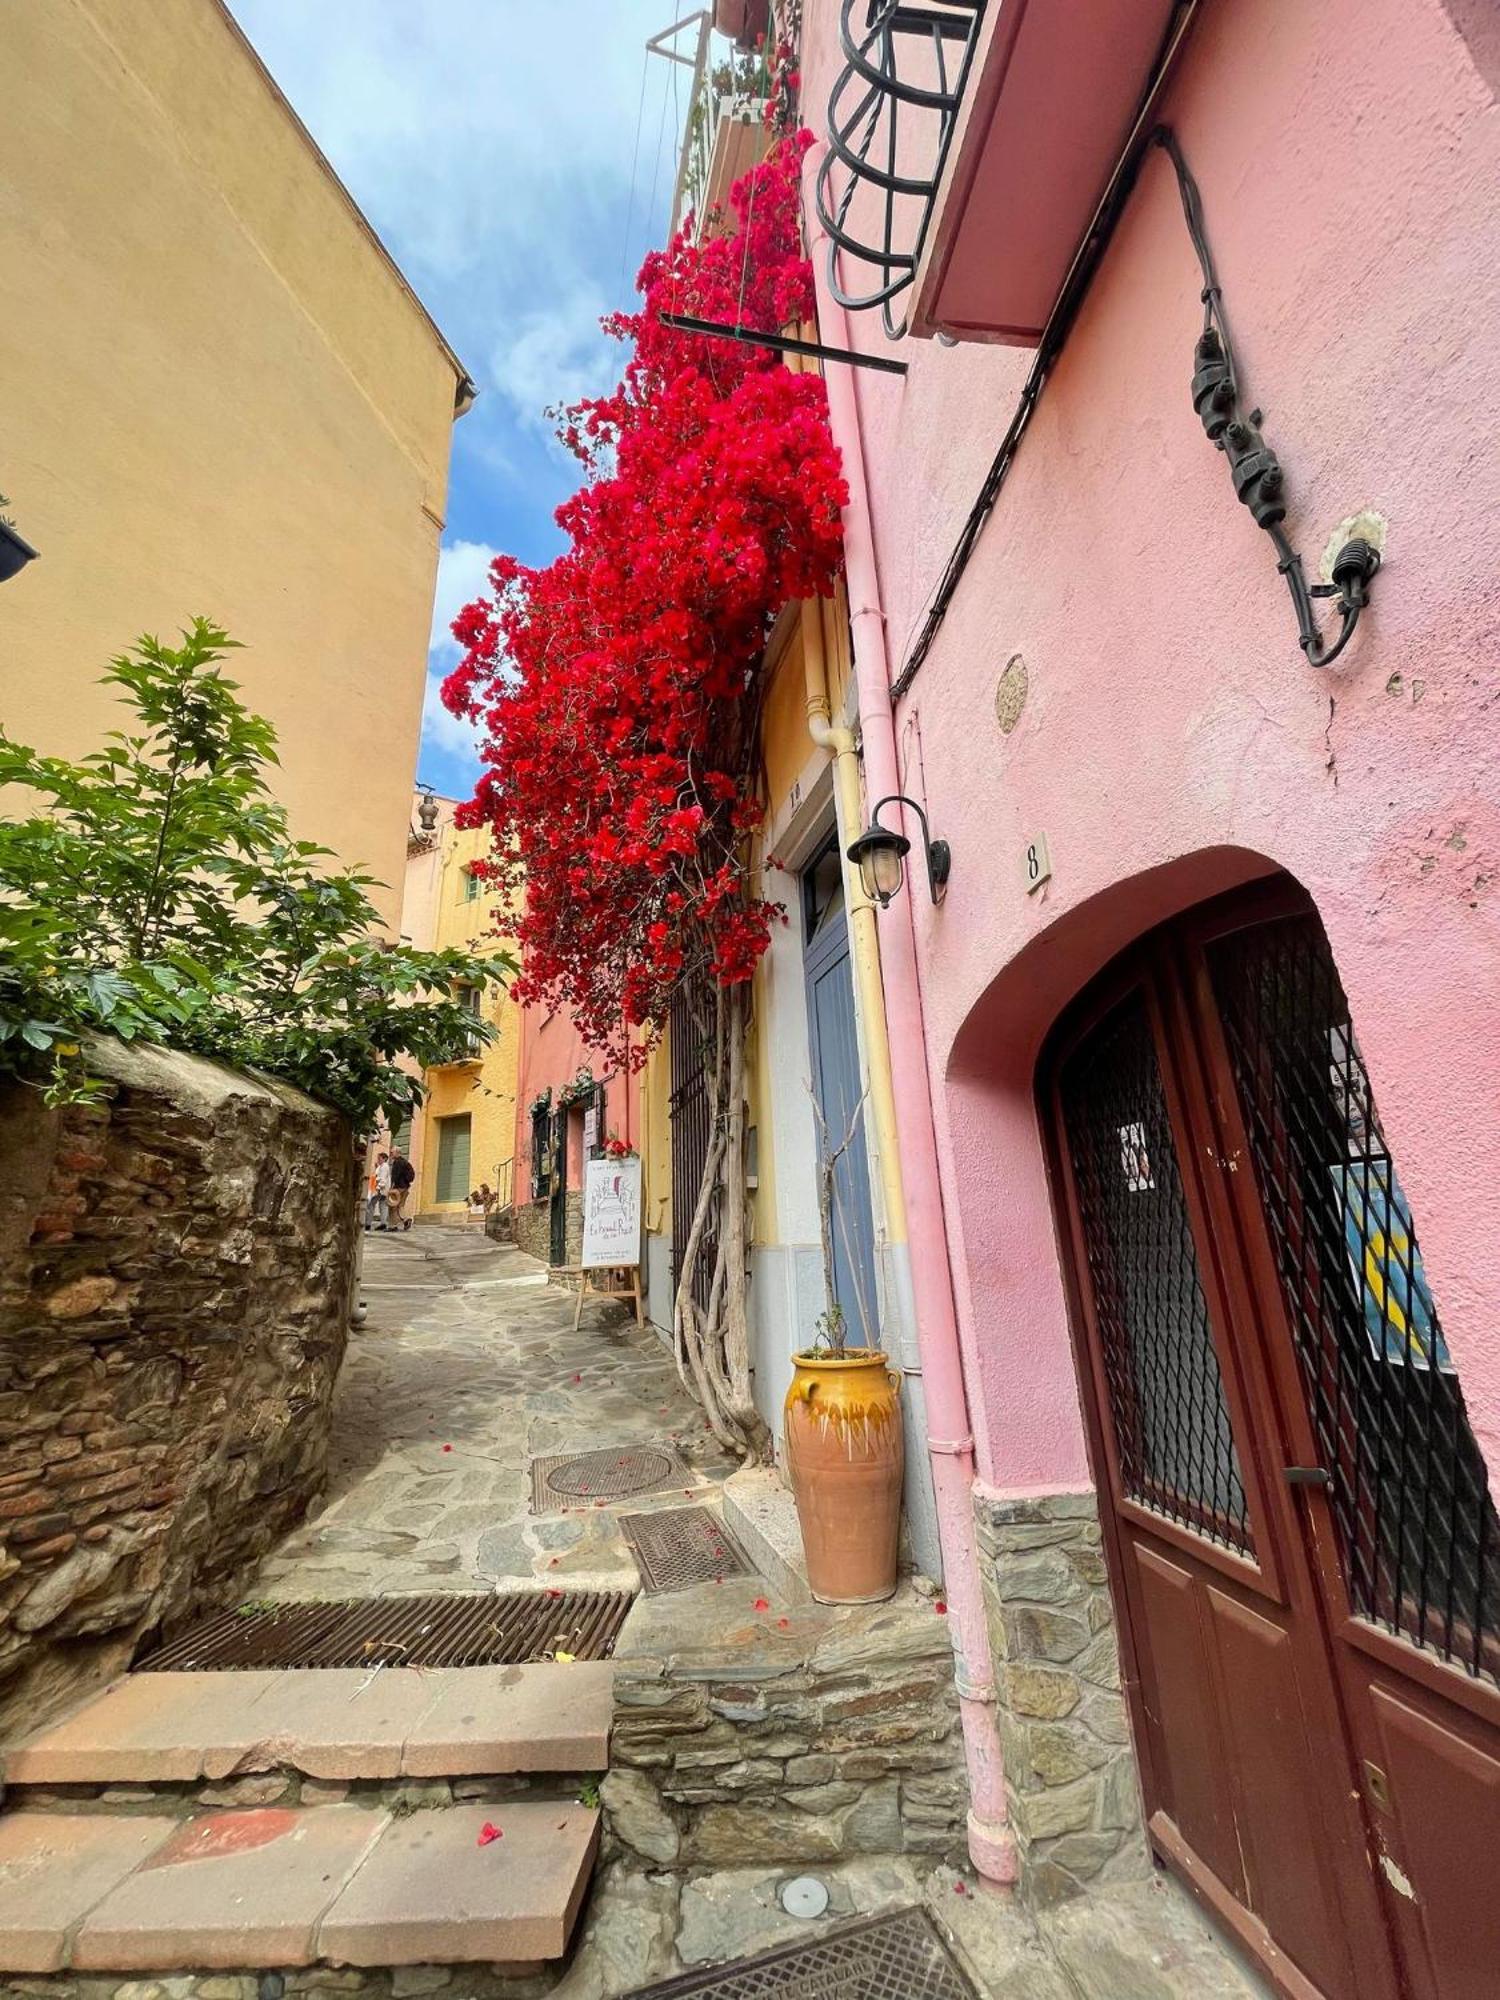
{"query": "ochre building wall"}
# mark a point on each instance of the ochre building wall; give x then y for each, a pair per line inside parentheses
(223, 401)
(485, 1090)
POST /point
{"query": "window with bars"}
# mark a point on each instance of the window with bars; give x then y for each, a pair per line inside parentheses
(541, 1152)
(1418, 1536)
(1166, 1396)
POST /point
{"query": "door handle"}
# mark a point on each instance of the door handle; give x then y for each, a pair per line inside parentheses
(1306, 1475)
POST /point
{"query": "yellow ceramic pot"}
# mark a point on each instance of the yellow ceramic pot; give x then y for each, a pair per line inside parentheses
(846, 1456)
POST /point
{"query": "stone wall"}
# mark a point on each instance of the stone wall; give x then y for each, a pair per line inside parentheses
(841, 1738)
(1070, 1770)
(175, 1272)
(533, 1228)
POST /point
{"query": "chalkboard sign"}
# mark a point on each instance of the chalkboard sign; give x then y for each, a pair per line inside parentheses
(611, 1213)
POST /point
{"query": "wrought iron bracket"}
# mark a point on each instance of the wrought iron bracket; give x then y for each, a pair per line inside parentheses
(1253, 466)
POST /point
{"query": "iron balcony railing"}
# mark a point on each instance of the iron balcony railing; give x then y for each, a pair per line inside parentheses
(893, 106)
(730, 90)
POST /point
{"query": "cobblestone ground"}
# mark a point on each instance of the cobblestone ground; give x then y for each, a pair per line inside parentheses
(466, 1368)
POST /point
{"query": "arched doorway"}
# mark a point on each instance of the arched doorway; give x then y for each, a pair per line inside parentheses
(1304, 1551)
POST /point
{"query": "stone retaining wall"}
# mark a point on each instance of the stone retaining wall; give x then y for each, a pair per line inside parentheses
(1070, 1771)
(786, 1752)
(533, 1228)
(175, 1271)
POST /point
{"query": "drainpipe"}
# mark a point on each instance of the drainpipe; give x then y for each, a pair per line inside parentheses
(950, 1441)
(864, 940)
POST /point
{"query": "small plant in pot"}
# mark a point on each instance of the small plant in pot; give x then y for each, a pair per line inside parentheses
(844, 1445)
(15, 551)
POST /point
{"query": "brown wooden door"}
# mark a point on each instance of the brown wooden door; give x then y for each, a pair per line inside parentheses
(1305, 1553)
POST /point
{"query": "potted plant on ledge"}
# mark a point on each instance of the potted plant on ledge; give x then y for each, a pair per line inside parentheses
(845, 1449)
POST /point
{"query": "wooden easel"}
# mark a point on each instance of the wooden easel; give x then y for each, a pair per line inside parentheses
(617, 1281)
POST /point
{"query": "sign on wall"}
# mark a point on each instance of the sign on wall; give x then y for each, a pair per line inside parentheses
(611, 1213)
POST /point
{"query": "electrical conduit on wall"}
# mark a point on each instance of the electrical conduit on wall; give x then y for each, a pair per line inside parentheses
(913, 1155)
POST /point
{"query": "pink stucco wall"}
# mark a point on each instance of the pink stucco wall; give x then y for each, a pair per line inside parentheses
(1174, 740)
(551, 1055)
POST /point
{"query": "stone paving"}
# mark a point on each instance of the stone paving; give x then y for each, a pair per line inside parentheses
(466, 1368)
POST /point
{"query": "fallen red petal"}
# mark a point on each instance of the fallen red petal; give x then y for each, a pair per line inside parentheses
(762, 1604)
(487, 1833)
(940, 1607)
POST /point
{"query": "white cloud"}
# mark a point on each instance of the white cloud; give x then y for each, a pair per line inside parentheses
(556, 356)
(491, 142)
(450, 734)
(463, 574)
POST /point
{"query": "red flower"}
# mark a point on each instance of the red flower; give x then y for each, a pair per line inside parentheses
(617, 686)
(487, 1833)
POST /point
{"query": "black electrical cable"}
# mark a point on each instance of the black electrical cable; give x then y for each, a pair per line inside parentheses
(1251, 460)
(1075, 285)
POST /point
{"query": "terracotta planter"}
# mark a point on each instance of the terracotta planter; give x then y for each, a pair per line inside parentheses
(845, 1454)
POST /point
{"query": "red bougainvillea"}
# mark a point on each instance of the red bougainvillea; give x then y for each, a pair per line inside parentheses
(619, 687)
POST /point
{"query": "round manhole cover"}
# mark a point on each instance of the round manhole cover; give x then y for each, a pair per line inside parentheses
(608, 1475)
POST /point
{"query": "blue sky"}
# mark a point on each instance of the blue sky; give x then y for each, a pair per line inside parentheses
(491, 143)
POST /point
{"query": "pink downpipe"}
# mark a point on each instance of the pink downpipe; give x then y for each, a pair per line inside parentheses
(950, 1438)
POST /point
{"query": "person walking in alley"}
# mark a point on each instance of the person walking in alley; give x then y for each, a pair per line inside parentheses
(377, 1204)
(402, 1176)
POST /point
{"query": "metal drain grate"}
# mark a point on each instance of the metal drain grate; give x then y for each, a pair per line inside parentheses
(504, 1630)
(615, 1474)
(898, 1957)
(681, 1546)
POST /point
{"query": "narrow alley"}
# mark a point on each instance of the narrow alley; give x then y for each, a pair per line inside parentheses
(749, 962)
(768, 1769)
(465, 1370)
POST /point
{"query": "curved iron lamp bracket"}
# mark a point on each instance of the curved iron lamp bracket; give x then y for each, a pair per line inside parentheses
(939, 855)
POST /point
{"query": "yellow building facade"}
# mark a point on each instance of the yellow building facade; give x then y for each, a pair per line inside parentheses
(465, 1134)
(223, 399)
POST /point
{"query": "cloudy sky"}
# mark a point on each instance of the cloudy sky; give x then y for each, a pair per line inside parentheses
(493, 144)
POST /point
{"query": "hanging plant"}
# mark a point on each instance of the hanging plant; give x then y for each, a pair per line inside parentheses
(579, 1090)
(620, 687)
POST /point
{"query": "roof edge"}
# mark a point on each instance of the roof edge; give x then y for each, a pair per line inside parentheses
(465, 389)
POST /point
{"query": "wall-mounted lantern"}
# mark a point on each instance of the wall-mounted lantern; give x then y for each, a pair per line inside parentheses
(15, 551)
(881, 854)
(427, 811)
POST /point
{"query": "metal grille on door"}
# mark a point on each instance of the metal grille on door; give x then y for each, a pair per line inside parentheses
(1419, 1540)
(1171, 1425)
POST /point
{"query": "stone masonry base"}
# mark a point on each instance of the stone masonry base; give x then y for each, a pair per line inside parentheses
(1070, 1769)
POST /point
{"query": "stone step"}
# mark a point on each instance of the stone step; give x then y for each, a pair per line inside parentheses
(328, 1722)
(269, 1888)
(761, 1514)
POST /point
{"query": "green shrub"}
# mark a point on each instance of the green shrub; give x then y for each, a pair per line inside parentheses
(159, 896)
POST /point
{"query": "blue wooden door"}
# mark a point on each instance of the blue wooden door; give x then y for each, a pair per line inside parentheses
(837, 1086)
